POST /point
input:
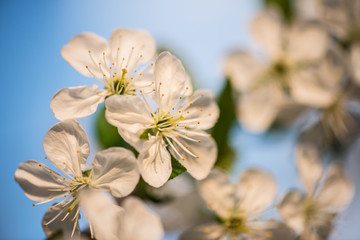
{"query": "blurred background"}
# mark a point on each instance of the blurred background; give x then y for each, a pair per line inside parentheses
(200, 33)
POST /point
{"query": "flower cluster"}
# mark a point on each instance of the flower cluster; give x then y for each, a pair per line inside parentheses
(166, 126)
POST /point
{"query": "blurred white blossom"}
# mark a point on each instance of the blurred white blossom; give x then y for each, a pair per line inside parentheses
(328, 191)
(265, 86)
(238, 207)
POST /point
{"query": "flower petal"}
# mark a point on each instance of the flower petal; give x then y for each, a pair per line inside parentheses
(355, 62)
(66, 226)
(319, 85)
(267, 29)
(171, 81)
(139, 223)
(218, 193)
(76, 102)
(103, 214)
(258, 109)
(128, 113)
(200, 110)
(135, 46)
(36, 179)
(310, 165)
(204, 232)
(76, 53)
(301, 41)
(337, 190)
(243, 70)
(155, 162)
(198, 152)
(290, 209)
(115, 169)
(67, 146)
(256, 191)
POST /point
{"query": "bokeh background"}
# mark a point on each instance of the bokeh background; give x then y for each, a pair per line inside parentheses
(199, 32)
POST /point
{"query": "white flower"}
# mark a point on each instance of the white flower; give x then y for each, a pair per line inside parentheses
(131, 221)
(327, 193)
(115, 64)
(178, 203)
(265, 86)
(179, 122)
(238, 206)
(67, 147)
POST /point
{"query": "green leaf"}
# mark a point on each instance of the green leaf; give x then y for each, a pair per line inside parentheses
(285, 6)
(221, 130)
(177, 168)
(108, 135)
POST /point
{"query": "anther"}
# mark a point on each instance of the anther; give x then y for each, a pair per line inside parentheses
(87, 66)
(89, 51)
(162, 94)
(187, 88)
(45, 157)
(199, 141)
(202, 94)
(197, 157)
(198, 122)
(34, 204)
(40, 165)
(190, 104)
(183, 159)
(201, 109)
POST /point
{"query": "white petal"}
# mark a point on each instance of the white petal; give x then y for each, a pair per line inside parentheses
(290, 209)
(308, 41)
(115, 169)
(218, 193)
(306, 90)
(200, 154)
(139, 223)
(103, 214)
(258, 109)
(66, 226)
(355, 62)
(171, 81)
(200, 110)
(76, 53)
(155, 162)
(76, 102)
(35, 179)
(127, 112)
(337, 190)
(131, 44)
(278, 231)
(267, 29)
(243, 70)
(309, 164)
(67, 147)
(204, 232)
(256, 191)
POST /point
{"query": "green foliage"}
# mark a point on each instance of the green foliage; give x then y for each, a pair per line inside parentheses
(108, 135)
(285, 6)
(221, 130)
(177, 168)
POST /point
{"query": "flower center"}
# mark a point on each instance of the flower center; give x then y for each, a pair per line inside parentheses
(163, 124)
(280, 71)
(236, 225)
(310, 209)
